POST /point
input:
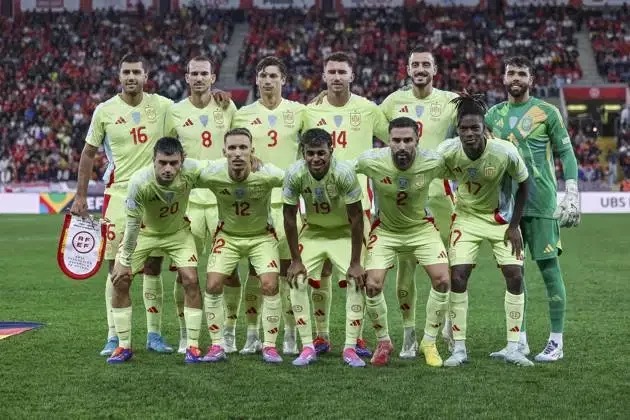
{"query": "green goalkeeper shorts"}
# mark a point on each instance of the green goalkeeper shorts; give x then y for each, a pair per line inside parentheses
(542, 237)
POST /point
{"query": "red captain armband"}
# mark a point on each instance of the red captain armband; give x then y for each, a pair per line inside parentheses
(81, 246)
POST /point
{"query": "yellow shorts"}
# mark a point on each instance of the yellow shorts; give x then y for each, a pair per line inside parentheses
(227, 250)
(203, 223)
(277, 215)
(115, 213)
(319, 245)
(424, 243)
(179, 246)
(467, 234)
(441, 204)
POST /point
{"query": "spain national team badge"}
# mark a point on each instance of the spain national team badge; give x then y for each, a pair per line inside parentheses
(289, 118)
(331, 190)
(472, 172)
(355, 119)
(489, 172)
(419, 110)
(513, 121)
(272, 120)
(136, 117)
(256, 193)
(151, 114)
(419, 181)
(81, 247)
(403, 183)
(526, 123)
(435, 110)
(203, 119)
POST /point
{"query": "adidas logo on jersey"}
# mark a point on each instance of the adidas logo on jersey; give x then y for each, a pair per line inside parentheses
(386, 180)
(308, 190)
(272, 264)
(121, 120)
(224, 191)
(188, 123)
(256, 121)
(404, 109)
(442, 255)
(321, 122)
(192, 259)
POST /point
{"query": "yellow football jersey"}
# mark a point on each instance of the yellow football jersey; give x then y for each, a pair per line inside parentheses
(275, 132)
(128, 135)
(201, 132)
(435, 114)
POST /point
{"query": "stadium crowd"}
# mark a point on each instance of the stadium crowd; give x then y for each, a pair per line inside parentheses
(68, 65)
(55, 68)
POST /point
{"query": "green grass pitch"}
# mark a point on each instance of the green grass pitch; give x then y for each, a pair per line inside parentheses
(56, 372)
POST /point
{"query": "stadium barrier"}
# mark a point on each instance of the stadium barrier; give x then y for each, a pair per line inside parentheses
(56, 203)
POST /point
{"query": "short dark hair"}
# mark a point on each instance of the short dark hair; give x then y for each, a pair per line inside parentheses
(239, 131)
(315, 137)
(469, 104)
(403, 122)
(419, 49)
(272, 61)
(201, 58)
(518, 61)
(340, 57)
(168, 146)
(134, 58)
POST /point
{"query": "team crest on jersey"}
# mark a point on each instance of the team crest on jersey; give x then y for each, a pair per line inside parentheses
(331, 190)
(239, 193)
(219, 119)
(272, 120)
(256, 193)
(472, 172)
(136, 117)
(355, 119)
(526, 123)
(318, 192)
(151, 113)
(489, 172)
(169, 196)
(513, 121)
(435, 110)
(419, 181)
(419, 110)
(289, 118)
(338, 120)
(403, 183)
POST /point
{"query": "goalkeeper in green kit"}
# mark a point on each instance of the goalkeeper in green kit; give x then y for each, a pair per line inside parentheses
(535, 127)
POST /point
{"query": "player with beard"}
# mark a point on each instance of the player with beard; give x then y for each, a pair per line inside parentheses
(536, 128)
(435, 116)
(401, 175)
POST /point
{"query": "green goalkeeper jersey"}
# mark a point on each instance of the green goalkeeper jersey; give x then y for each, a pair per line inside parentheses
(536, 129)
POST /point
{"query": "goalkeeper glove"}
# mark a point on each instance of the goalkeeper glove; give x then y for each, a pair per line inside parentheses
(568, 211)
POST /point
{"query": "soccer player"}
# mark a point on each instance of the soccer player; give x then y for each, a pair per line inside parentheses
(332, 197)
(485, 169)
(401, 175)
(535, 127)
(434, 113)
(275, 124)
(352, 121)
(128, 125)
(156, 203)
(200, 122)
(244, 231)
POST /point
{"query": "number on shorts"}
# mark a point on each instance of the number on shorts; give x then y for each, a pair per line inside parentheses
(111, 233)
(457, 234)
(371, 242)
(218, 244)
(401, 198)
(164, 211)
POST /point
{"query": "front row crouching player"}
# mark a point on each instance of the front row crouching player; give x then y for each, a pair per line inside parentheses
(334, 231)
(485, 169)
(401, 175)
(243, 202)
(156, 203)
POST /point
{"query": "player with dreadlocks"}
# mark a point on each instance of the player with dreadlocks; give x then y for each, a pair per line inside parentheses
(486, 210)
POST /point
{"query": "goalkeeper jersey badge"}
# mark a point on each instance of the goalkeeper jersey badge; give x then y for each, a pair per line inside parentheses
(81, 246)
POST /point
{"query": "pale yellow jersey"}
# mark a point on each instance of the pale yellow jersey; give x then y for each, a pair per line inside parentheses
(275, 133)
(244, 207)
(401, 195)
(487, 184)
(201, 131)
(128, 135)
(435, 114)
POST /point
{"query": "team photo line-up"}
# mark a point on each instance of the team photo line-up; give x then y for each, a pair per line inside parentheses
(300, 192)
